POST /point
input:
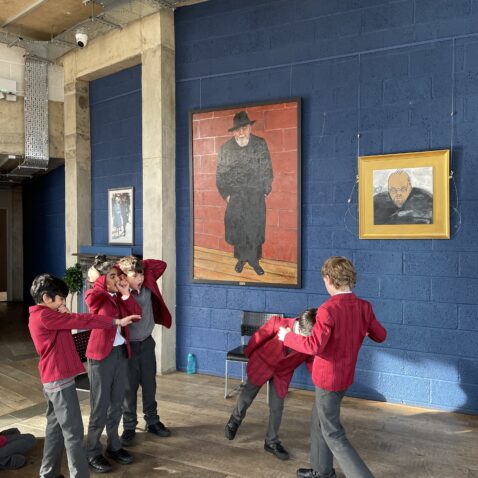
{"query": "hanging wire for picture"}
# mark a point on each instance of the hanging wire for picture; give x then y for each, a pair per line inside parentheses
(348, 212)
(454, 209)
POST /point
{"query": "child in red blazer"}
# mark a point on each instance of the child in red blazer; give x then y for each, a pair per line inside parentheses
(50, 325)
(144, 298)
(341, 326)
(108, 352)
(270, 360)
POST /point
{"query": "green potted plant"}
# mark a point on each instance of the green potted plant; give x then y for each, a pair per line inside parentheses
(74, 280)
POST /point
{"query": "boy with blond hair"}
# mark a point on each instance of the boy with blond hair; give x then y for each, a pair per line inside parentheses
(342, 323)
(145, 299)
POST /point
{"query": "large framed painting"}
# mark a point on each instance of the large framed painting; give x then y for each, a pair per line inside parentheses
(405, 196)
(245, 194)
(121, 216)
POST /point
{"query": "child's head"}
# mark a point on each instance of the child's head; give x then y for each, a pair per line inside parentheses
(340, 271)
(49, 291)
(133, 269)
(102, 267)
(305, 322)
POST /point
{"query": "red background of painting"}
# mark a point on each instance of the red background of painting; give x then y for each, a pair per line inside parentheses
(277, 124)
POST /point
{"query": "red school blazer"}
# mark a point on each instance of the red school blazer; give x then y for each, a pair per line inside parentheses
(341, 325)
(269, 358)
(100, 301)
(51, 334)
(153, 270)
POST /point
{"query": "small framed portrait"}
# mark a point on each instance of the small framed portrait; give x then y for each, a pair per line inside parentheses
(405, 196)
(121, 216)
(246, 196)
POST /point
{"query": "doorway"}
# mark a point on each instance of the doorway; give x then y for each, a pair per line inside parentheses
(3, 255)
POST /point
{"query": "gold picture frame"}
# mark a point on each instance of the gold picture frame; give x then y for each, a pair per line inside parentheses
(404, 196)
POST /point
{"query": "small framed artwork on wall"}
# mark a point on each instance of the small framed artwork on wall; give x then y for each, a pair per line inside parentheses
(121, 215)
(245, 194)
(405, 196)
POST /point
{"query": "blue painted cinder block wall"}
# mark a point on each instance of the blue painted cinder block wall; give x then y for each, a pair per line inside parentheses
(43, 227)
(393, 71)
(116, 150)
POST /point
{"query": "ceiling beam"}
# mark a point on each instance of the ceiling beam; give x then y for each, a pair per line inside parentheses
(24, 12)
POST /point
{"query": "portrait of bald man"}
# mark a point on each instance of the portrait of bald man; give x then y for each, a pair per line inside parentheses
(403, 202)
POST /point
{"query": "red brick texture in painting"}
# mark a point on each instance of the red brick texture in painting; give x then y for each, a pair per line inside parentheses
(277, 124)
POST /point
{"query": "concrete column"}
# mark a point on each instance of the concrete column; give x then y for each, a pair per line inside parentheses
(77, 168)
(159, 183)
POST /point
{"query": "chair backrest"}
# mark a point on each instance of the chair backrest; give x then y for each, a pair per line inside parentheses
(81, 343)
(252, 321)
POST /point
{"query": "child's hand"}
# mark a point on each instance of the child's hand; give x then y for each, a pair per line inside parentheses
(63, 309)
(92, 275)
(282, 333)
(123, 287)
(127, 320)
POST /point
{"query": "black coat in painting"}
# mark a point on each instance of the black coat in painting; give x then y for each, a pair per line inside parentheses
(417, 209)
(245, 175)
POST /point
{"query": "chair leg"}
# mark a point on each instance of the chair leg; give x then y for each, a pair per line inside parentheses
(267, 392)
(225, 382)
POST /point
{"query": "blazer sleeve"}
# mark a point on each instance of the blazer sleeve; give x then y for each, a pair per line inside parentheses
(155, 266)
(315, 344)
(53, 320)
(129, 306)
(376, 331)
(93, 300)
(265, 333)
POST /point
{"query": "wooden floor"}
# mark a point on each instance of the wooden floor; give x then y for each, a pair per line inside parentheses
(395, 441)
(211, 264)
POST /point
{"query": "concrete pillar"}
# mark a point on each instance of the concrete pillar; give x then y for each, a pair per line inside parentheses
(159, 183)
(77, 168)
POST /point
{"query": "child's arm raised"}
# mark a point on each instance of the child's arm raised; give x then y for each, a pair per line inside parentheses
(54, 320)
(156, 266)
(314, 344)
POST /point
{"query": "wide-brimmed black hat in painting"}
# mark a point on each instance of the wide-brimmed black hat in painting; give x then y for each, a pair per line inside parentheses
(241, 119)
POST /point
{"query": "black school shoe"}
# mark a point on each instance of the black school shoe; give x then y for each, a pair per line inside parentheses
(99, 464)
(159, 429)
(127, 437)
(231, 428)
(121, 456)
(277, 450)
(310, 473)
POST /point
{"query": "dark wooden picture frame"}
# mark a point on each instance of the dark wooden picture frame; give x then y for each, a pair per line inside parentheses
(245, 202)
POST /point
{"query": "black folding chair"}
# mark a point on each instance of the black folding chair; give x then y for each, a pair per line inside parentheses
(251, 321)
(81, 342)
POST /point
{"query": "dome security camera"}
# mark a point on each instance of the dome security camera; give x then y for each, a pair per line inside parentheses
(81, 39)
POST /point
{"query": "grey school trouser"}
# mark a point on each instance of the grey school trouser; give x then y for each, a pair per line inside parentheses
(107, 385)
(64, 429)
(328, 439)
(18, 444)
(141, 371)
(276, 407)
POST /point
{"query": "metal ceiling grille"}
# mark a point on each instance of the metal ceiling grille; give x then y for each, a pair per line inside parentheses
(36, 120)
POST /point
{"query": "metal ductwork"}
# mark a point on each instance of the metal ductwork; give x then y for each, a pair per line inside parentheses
(36, 120)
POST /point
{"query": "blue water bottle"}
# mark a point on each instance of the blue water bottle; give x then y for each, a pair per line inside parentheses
(191, 368)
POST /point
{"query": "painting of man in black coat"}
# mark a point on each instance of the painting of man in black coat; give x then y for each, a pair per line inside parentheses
(244, 179)
(404, 203)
